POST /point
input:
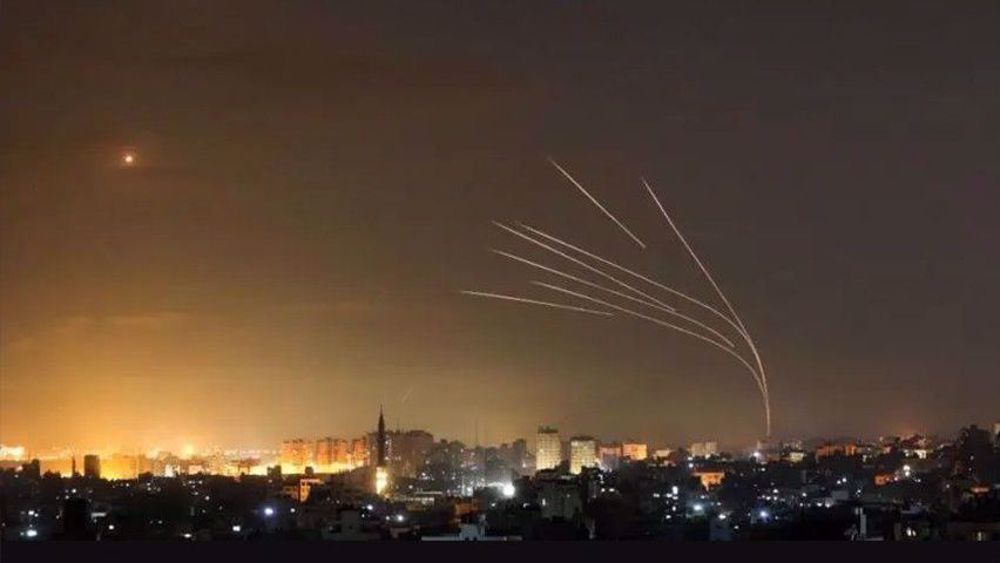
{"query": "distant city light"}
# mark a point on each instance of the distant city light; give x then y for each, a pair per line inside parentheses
(237, 528)
(764, 514)
(31, 533)
(400, 518)
(12, 453)
(698, 507)
(268, 511)
(508, 490)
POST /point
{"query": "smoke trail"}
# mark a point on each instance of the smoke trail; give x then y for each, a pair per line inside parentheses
(718, 290)
(668, 310)
(660, 322)
(597, 203)
(536, 302)
(637, 275)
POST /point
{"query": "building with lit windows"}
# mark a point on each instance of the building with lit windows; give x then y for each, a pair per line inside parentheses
(297, 454)
(548, 449)
(634, 451)
(662, 453)
(324, 451)
(704, 449)
(582, 453)
(829, 449)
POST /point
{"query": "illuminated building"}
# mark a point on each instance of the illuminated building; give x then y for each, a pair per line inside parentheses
(634, 451)
(325, 455)
(324, 452)
(582, 453)
(296, 455)
(884, 479)
(92, 466)
(847, 449)
(11, 453)
(342, 452)
(710, 479)
(381, 480)
(358, 453)
(548, 449)
(662, 453)
(996, 428)
(795, 456)
(704, 449)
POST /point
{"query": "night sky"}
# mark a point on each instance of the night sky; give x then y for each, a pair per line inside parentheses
(315, 181)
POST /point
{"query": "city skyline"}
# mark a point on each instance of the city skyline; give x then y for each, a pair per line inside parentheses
(564, 435)
(232, 226)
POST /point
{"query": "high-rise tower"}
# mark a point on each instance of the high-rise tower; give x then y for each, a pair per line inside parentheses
(548, 449)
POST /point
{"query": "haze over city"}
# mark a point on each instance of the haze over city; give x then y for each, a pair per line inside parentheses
(225, 224)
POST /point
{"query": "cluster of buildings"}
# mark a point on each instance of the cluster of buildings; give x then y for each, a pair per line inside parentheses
(581, 452)
(407, 485)
(325, 455)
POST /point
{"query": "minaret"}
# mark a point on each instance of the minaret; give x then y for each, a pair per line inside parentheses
(380, 447)
(381, 471)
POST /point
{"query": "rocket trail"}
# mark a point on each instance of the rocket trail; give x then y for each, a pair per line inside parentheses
(668, 310)
(660, 322)
(718, 290)
(595, 264)
(637, 275)
(579, 262)
(536, 302)
(597, 203)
